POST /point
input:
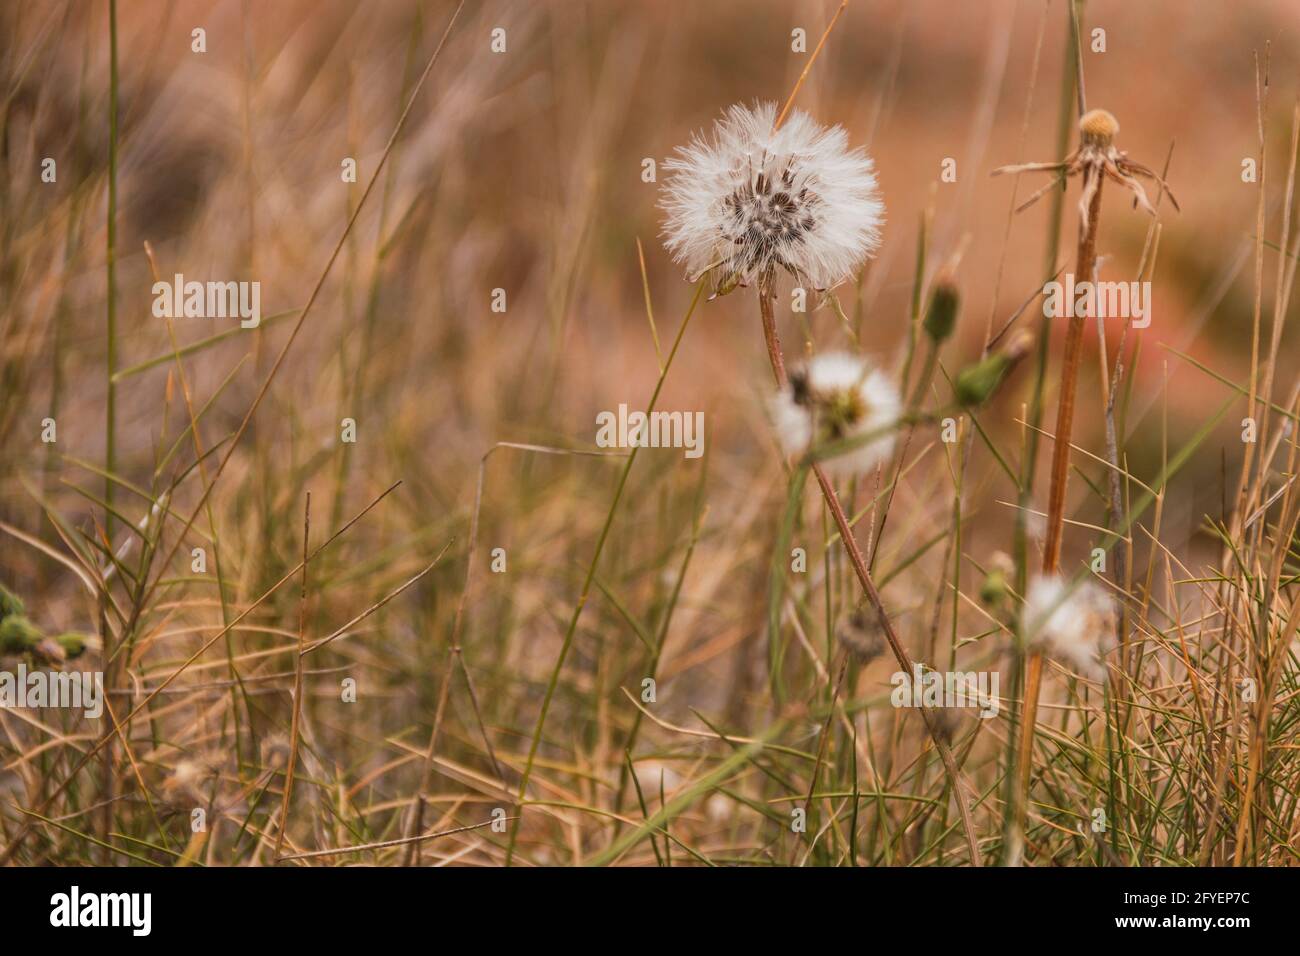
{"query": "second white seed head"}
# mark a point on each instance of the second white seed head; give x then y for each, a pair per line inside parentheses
(1073, 622)
(839, 397)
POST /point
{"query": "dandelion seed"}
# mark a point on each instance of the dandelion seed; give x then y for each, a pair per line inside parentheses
(1074, 624)
(839, 398)
(750, 201)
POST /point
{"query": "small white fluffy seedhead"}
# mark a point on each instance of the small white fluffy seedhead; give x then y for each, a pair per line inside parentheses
(1075, 625)
(838, 396)
(750, 201)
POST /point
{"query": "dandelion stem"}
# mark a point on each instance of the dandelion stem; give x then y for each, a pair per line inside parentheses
(765, 298)
(868, 586)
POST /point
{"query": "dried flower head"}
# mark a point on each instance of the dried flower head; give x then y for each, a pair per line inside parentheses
(1074, 623)
(751, 200)
(836, 398)
(1096, 157)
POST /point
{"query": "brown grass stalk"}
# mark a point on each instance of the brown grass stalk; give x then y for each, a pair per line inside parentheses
(295, 722)
(1085, 266)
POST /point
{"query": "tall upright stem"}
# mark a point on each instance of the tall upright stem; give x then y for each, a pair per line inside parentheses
(1085, 270)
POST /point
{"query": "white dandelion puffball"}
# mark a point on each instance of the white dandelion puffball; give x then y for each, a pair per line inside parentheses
(1074, 624)
(750, 200)
(839, 397)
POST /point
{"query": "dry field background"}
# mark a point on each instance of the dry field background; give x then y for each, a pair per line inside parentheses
(522, 171)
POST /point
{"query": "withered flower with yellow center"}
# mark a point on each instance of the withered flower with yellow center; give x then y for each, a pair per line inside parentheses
(1096, 157)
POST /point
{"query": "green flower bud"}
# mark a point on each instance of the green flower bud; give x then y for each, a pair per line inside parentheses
(941, 316)
(18, 635)
(74, 645)
(994, 588)
(977, 382)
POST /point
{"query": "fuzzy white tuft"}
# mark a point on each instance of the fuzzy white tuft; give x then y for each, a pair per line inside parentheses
(1074, 623)
(838, 397)
(749, 201)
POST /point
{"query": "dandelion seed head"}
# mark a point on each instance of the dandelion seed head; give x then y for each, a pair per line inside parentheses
(186, 774)
(1075, 624)
(193, 777)
(1036, 525)
(719, 808)
(651, 774)
(747, 201)
(839, 397)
